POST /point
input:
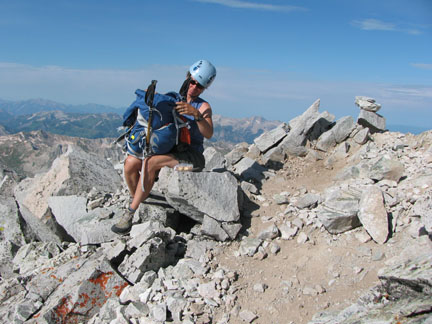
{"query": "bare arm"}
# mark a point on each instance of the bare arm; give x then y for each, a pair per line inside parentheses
(205, 125)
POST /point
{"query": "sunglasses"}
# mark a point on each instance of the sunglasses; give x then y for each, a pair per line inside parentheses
(196, 84)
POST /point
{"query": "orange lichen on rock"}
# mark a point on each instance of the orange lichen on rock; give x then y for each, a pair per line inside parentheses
(119, 289)
(102, 279)
(63, 309)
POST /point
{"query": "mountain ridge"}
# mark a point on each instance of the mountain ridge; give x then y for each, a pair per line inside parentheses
(98, 121)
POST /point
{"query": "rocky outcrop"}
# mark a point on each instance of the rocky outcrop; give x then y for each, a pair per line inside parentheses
(67, 266)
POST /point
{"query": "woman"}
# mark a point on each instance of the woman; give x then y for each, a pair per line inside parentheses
(201, 74)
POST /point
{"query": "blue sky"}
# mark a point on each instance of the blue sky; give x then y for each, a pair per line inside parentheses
(274, 58)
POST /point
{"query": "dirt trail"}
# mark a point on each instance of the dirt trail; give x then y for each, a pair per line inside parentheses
(328, 272)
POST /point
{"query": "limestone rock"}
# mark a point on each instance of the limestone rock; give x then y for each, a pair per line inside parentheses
(338, 212)
(213, 160)
(85, 227)
(387, 169)
(195, 194)
(373, 215)
(73, 173)
(373, 121)
(249, 169)
(367, 103)
(271, 138)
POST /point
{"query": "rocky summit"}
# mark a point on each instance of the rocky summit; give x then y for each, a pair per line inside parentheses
(319, 221)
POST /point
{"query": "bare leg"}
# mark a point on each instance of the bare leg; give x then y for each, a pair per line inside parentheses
(132, 169)
(152, 166)
(133, 177)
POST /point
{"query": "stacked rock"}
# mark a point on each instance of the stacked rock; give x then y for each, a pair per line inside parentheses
(368, 114)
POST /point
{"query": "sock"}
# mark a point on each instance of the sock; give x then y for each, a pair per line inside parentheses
(132, 211)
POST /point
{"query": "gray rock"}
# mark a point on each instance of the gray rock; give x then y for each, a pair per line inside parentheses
(362, 136)
(85, 227)
(37, 229)
(269, 233)
(367, 103)
(214, 160)
(338, 212)
(402, 292)
(10, 228)
(326, 141)
(274, 157)
(307, 201)
(293, 150)
(373, 215)
(249, 246)
(301, 125)
(232, 229)
(33, 255)
(422, 208)
(214, 229)
(288, 232)
(73, 173)
(142, 233)
(7, 252)
(196, 194)
(386, 169)
(249, 187)
(150, 256)
(236, 154)
(271, 138)
(247, 316)
(71, 284)
(343, 128)
(176, 305)
(197, 249)
(249, 169)
(371, 120)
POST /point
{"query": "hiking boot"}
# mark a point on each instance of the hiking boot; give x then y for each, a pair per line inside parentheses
(124, 225)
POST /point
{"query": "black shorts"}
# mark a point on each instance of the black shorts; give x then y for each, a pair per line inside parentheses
(186, 154)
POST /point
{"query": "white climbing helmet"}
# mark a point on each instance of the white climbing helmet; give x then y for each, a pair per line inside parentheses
(204, 72)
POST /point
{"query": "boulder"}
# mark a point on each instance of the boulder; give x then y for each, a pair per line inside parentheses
(338, 212)
(341, 130)
(271, 138)
(73, 173)
(71, 288)
(373, 215)
(237, 153)
(386, 169)
(214, 160)
(367, 103)
(85, 227)
(206, 197)
(10, 227)
(301, 125)
(249, 169)
(376, 123)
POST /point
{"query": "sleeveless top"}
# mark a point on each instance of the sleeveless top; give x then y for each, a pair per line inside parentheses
(197, 139)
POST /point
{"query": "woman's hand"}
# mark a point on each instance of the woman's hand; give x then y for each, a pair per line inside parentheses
(183, 108)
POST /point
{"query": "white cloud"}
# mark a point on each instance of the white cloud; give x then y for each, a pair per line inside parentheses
(78, 86)
(252, 5)
(235, 93)
(424, 66)
(375, 24)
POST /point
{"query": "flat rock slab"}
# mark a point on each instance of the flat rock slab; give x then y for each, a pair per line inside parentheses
(373, 215)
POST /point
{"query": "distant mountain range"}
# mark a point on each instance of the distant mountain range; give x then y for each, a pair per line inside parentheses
(97, 121)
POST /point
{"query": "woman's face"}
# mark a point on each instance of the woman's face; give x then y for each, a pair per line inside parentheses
(195, 89)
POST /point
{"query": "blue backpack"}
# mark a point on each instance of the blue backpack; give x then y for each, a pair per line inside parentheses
(156, 110)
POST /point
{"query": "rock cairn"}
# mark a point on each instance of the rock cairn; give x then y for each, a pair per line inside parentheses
(62, 264)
